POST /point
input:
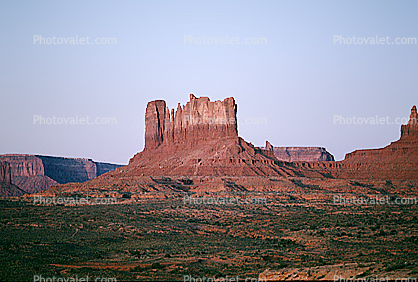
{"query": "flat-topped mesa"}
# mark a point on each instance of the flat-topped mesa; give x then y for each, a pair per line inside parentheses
(34, 173)
(295, 154)
(200, 119)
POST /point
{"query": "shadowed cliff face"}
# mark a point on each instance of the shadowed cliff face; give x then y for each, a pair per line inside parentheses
(64, 170)
(200, 119)
(5, 176)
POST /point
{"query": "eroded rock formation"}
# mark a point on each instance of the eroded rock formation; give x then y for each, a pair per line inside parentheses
(200, 138)
(198, 120)
(409, 132)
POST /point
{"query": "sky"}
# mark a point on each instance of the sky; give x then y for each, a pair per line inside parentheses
(301, 75)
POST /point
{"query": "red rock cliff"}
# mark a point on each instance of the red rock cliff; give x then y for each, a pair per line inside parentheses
(200, 119)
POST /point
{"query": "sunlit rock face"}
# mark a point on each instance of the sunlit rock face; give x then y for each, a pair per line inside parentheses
(198, 120)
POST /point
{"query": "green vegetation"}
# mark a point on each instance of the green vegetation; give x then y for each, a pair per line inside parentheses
(165, 239)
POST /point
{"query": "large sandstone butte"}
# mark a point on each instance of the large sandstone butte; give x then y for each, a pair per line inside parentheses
(34, 173)
(293, 154)
(7, 188)
(200, 139)
(199, 120)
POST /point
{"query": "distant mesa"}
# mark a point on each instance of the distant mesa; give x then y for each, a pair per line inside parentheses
(294, 154)
(34, 173)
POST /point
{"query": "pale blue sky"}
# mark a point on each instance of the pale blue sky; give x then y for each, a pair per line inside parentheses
(294, 84)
